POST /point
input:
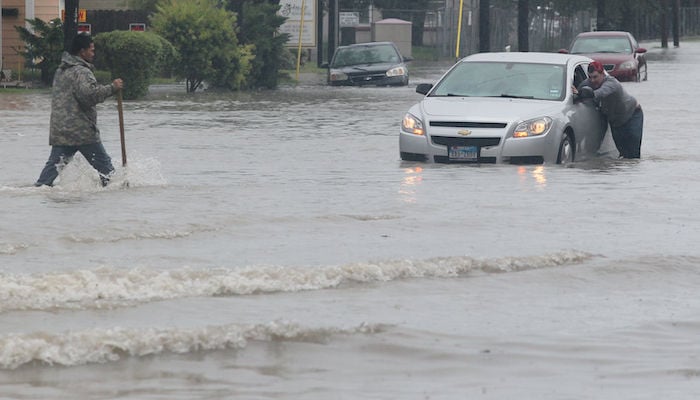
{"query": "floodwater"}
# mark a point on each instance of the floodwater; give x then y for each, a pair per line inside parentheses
(271, 245)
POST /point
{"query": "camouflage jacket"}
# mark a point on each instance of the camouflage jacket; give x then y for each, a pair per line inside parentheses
(75, 96)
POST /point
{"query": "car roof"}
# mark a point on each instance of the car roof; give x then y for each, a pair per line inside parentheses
(528, 57)
(603, 33)
(367, 44)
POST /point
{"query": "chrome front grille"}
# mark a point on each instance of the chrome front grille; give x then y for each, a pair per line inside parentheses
(468, 124)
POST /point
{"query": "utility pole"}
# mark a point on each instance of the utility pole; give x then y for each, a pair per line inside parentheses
(70, 23)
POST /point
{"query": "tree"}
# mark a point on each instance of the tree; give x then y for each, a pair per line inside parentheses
(523, 25)
(484, 26)
(204, 36)
(258, 26)
(151, 6)
(43, 46)
(601, 18)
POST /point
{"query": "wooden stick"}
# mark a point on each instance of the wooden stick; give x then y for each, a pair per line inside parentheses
(121, 125)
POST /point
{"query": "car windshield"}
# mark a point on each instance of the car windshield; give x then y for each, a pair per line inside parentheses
(365, 55)
(587, 45)
(504, 79)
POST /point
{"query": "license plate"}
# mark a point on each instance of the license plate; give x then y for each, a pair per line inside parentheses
(464, 153)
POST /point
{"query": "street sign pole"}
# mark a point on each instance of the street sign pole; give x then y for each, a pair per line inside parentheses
(70, 23)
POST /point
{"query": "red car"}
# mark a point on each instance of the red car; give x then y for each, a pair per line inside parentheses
(618, 51)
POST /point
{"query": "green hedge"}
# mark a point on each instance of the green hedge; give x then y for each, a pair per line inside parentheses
(136, 57)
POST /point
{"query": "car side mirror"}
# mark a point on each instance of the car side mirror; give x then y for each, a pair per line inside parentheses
(324, 65)
(563, 51)
(408, 58)
(424, 88)
(640, 50)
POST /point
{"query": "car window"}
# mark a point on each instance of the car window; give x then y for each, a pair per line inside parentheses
(504, 79)
(580, 74)
(635, 45)
(587, 45)
(365, 55)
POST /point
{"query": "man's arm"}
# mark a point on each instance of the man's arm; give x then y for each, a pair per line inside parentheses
(88, 91)
(608, 87)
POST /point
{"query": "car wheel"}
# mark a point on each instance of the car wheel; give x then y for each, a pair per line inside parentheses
(566, 150)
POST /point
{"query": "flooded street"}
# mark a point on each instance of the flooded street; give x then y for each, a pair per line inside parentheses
(272, 245)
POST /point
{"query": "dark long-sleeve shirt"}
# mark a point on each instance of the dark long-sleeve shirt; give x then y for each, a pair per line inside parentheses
(614, 101)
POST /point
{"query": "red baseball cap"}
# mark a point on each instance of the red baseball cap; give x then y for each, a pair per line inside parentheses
(596, 66)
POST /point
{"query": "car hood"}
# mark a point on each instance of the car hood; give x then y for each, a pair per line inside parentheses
(364, 68)
(610, 58)
(486, 109)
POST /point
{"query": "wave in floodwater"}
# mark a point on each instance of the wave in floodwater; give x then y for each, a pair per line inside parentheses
(108, 345)
(108, 287)
(12, 248)
(120, 236)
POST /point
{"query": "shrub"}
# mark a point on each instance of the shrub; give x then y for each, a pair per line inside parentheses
(135, 57)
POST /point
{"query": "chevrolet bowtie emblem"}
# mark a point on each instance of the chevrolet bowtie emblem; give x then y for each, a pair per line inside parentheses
(464, 132)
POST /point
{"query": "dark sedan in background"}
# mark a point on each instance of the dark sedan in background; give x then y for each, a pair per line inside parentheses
(619, 52)
(374, 63)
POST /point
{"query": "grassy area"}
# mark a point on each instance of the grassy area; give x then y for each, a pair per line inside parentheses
(425, 53)
(308, 67)
(288, 76)
(164, 81)
(18, 90)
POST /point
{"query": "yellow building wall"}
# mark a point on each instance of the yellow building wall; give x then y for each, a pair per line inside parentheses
(44, 9)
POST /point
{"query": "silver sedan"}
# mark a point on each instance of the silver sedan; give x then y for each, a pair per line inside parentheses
(505, 108)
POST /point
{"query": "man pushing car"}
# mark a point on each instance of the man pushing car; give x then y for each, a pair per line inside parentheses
(622, 110)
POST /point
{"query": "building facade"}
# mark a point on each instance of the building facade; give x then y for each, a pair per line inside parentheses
(15, 13)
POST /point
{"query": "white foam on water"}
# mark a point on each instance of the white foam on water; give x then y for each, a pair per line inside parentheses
(116, 235)
(108, 345)
(109, 287)
(12, 248)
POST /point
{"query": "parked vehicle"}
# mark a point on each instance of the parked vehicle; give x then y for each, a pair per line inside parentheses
(505, 108)
(619, 52)
(374, 63)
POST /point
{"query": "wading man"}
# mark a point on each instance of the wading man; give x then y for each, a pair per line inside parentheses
(73, 126)
(622, 110)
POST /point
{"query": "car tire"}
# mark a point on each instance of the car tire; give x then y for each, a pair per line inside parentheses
(567, 150)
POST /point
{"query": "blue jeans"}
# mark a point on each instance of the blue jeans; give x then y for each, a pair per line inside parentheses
(628, 136)
(94, 153)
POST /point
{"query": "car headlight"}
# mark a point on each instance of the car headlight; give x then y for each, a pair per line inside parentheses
(338, 75)
(533, 127)
(628, 65)
(412, 124)
(396, 71)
